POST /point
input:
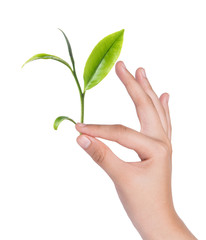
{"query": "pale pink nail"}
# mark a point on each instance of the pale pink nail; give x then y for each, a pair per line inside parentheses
(81, 124)
(143, 73)
(123, 65)
(84, 142)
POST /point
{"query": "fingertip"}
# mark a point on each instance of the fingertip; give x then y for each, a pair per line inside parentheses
(142, 72)
(139, 69)
(165, 97)
(83, 141)
(76, 125)
(120, 63)
(119, 66)
(77, 139)
(168, 97)
(79, 126)
(138, 73)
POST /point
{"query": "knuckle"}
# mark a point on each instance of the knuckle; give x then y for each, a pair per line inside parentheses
(120, 130)
(129, 84)
(99, 156)
(164, 149)
(146, 100)
(149, 91)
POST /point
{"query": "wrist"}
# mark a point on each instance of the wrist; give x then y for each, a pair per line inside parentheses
(167, 226)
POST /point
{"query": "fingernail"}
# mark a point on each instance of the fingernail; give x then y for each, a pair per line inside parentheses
(143, 73)
(123, 65)
(81, 124)
(84, 142)
(168, 98)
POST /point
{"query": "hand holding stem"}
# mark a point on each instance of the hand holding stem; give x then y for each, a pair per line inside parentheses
(144, 187)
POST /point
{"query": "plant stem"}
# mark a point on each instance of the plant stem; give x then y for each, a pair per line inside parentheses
(82, 107)
(78, 85)
(81, 94)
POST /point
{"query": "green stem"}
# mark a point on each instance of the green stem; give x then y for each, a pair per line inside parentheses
(77, 82)
(81, 94)
(82, 107)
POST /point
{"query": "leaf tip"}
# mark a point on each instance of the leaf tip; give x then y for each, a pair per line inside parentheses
(59, 29)
(122, 32)
(59, 120)
(56, 124)
(55, 127)
(23, 65)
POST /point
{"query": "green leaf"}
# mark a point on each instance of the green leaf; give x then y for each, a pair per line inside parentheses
(69, 49)
(47, 56)
(102, 59)
(60, 119)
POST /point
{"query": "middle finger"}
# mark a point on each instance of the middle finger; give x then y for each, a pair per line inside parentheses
(145, 84)
(146, 111)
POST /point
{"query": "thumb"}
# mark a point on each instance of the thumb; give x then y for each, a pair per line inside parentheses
(102, 155)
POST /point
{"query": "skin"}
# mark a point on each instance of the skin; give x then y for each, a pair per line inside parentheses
(144, 187)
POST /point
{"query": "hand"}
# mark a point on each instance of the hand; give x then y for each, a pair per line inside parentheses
(144, 187)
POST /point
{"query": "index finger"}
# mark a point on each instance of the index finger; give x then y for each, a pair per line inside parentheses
(121, 134)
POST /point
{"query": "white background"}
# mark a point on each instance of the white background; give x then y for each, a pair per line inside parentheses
(49, 187)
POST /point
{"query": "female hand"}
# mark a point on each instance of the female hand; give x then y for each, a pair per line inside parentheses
(144, 187)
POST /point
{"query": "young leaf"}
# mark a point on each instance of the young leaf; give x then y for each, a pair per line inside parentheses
(102, 59)
(47, 56)
(60, 119)
(69, 49)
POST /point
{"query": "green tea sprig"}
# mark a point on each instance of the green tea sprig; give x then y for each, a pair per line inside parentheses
(98, 65)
